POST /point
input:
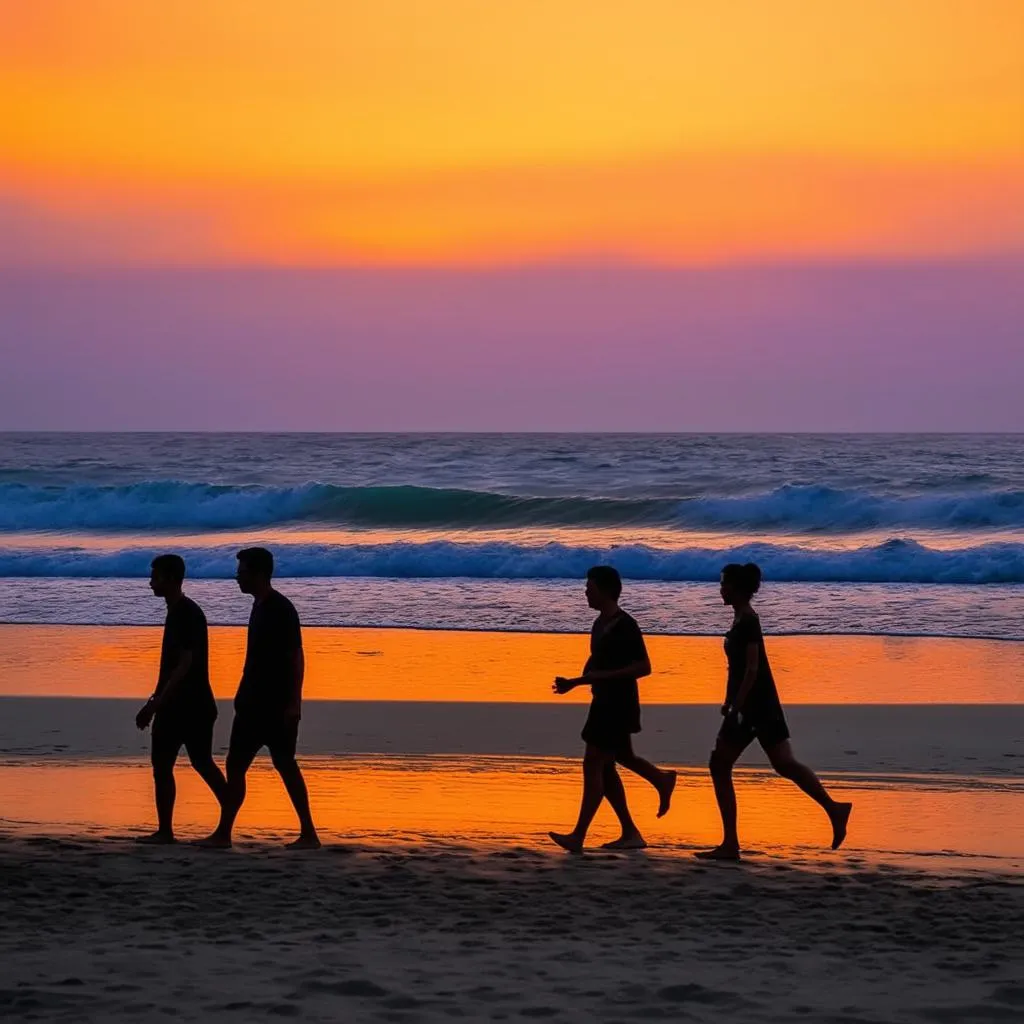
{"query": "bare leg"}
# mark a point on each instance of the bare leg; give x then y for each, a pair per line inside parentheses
(663, 781)
(594, 761)
(783, 761)
(165, 792)
(163, 755)
(208, 770)
(723, 757)
(234, 796)
(295, 784)
(200, 754)
(615, 794)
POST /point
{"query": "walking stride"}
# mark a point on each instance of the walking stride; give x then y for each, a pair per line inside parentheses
(182, 709)
(268, 704)
(618, 658)
(752, 710)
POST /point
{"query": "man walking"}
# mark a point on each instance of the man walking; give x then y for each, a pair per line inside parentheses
(268, 704)
(182, 708)
(618, 658)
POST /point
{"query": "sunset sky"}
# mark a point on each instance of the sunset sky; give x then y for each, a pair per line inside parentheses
(457, 136)
(463, 131)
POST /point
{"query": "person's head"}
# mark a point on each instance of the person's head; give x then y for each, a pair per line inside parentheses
(739, 583)
(166, 574)
(604, 585)
(255, 567)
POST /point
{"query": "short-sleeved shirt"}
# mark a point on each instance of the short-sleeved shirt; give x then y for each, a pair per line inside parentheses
(268, 678)
(185, 630)
(614, 645)
(763, 696)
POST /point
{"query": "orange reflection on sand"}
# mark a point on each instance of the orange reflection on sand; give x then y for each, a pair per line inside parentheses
(395, 664)
(500, 800)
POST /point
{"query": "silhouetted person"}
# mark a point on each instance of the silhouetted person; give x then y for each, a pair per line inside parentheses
(182, 708)
(618, 658)
(752, 710)
(268, 704)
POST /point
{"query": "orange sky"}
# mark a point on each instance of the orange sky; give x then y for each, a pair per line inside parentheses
(456, 131)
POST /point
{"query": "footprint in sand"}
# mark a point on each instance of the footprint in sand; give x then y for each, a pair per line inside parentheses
(691, 992)
(1013, 995)
(353, 987)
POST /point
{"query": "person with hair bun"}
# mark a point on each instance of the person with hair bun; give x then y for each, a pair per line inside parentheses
(752, 710)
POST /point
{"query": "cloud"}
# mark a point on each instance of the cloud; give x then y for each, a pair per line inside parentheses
(679, 210)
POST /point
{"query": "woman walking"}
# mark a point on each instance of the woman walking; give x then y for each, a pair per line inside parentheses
(752, 710)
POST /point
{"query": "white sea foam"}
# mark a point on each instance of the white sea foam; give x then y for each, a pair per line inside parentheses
(169, 504)
(894, 561)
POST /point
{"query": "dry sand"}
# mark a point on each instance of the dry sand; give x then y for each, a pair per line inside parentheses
(105, 930)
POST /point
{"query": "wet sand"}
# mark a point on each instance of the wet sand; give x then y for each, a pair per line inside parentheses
(404, 664)
(438, 897)
(946, 824)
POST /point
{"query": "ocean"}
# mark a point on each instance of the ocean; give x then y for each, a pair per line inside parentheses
(918, 535)
(440, 580)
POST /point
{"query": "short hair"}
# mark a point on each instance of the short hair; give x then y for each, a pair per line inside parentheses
(171, 566)
(607, 580)
(259, 560)
(744, 578)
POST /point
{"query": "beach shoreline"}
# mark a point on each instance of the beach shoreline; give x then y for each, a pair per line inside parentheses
(942, 824)
(438, 895)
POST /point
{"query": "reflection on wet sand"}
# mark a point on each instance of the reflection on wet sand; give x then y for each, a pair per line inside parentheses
(398, 664)
(956, 823)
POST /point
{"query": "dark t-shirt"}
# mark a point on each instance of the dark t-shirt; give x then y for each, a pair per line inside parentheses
(185, 630)
(615, 645)
(268, 679)
(763, 695)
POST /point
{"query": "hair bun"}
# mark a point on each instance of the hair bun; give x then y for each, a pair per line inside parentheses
(752, 572)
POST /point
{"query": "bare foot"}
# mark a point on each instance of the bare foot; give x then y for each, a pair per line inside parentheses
(304, 843)
(727, 853)
(215, 842)
(157, 838)
(635, 842)
(567, 842)
(666, 792)
(840, 817)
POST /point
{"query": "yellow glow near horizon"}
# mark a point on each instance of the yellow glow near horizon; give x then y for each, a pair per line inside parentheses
(404, 131)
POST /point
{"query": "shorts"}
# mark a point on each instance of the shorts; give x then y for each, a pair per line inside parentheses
(768, 727)
(250, 733)
(171, 733)
(609, 731)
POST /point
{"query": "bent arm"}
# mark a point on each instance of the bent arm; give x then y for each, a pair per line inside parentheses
(634, 670)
